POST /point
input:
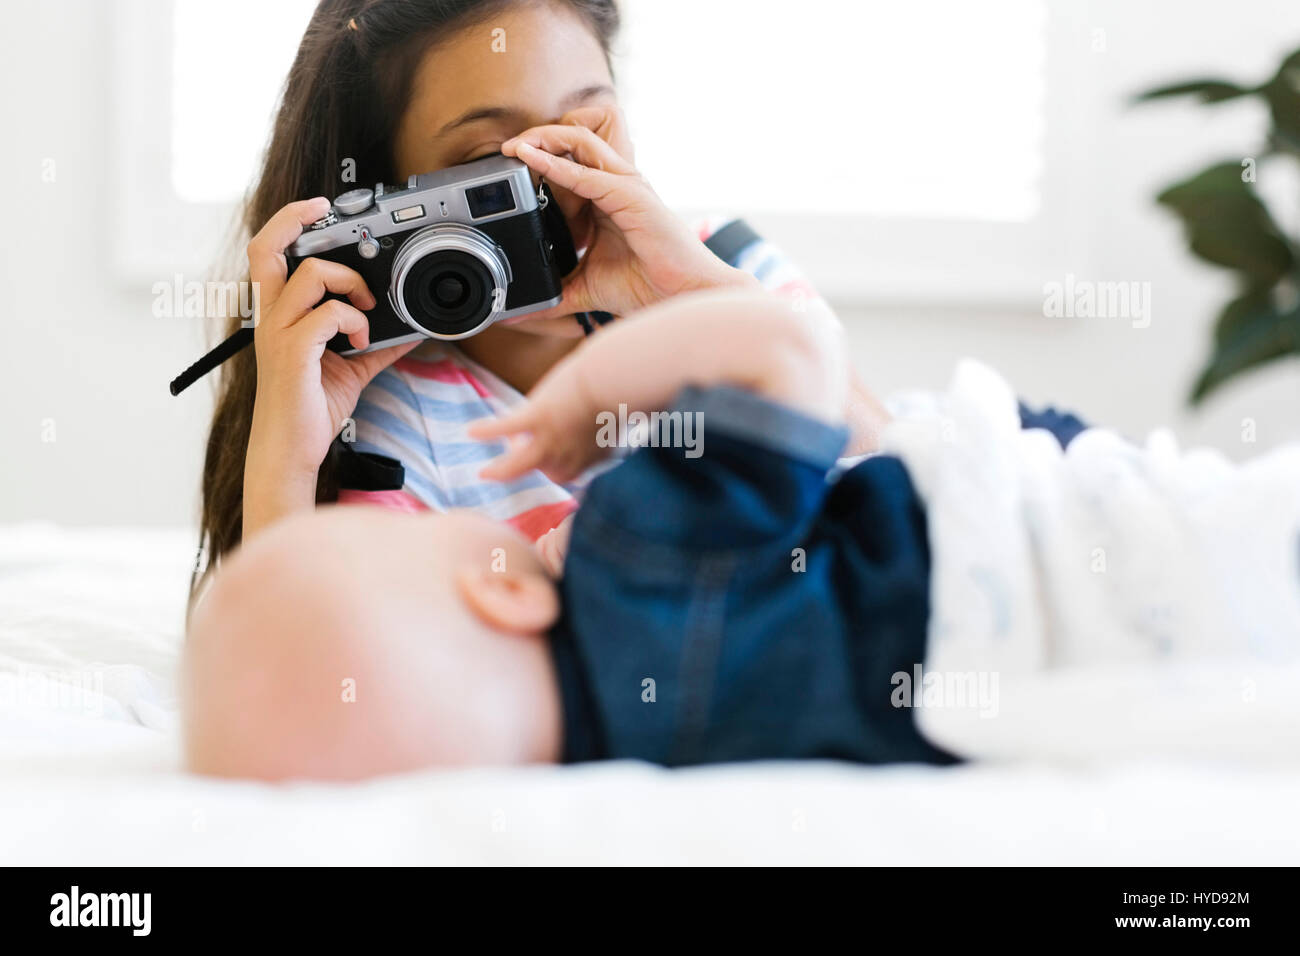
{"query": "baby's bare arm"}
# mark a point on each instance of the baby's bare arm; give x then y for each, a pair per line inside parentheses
(749, 340)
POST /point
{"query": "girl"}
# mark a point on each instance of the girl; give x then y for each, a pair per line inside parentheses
(391, 88)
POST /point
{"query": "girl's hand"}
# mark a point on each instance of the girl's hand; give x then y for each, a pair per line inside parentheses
(638, 252)
(304, 391)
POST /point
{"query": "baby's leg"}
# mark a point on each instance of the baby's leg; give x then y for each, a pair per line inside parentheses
(334, 646)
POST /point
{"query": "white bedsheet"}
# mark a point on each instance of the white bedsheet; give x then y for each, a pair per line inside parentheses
(89, 771)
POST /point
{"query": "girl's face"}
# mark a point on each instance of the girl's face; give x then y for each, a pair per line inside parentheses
(527, 66)
(467, 98)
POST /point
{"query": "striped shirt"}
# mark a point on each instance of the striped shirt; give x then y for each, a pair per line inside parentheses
(417, 411)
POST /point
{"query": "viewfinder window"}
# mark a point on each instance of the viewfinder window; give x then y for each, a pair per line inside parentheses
(490, 200)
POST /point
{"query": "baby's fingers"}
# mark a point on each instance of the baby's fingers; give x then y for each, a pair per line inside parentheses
(512, 423)
(522, 457)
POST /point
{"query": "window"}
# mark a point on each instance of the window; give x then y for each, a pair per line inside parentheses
(882, 144)
(931, 109)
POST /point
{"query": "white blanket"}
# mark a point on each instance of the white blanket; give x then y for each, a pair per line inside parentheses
(1112, 600)
(94, 777)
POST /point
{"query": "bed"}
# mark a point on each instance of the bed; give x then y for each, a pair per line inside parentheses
(90, 772)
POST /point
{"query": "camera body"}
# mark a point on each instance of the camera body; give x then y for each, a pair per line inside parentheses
(455, 250)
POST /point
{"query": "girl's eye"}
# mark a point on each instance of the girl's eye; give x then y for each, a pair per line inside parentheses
(480, 153)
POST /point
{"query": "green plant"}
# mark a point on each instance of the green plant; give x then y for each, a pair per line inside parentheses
(1229, 225)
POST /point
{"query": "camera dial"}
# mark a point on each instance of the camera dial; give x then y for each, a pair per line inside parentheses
(354, 201)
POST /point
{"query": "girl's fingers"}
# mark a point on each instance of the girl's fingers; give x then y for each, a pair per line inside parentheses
(607, 122)
(577, 215)
(329, 319)
(309, 284)
(608, 191)
(370, 364)
(267, 267)
(581, 143)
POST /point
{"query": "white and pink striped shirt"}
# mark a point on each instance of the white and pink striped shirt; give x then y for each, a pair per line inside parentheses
(417, 411)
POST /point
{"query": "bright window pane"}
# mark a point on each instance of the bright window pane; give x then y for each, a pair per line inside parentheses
(924, 109)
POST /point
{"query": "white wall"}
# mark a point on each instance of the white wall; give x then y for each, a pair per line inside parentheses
(85, 353)
(80, 349)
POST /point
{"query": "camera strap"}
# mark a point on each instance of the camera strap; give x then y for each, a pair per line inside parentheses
(364, 470)
(731, 240)
(591, 321)
(229, 347)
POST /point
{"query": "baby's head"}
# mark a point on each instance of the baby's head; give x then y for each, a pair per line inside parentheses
(351, 642)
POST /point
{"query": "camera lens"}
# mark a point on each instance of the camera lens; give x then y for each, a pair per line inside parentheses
(445, 280)
(448, 292)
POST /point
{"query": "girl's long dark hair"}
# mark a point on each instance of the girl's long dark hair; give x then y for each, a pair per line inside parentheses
(343, 98)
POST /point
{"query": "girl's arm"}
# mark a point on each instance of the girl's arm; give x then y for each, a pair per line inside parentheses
(749, 340)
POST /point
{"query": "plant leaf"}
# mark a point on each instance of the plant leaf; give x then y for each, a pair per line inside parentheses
(1227, 224)
(1242, 313)
(1283, 95)
(1292, 62)
(1207, 91)
(1249, 332)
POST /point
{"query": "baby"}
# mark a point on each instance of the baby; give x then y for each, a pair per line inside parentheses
(736, 602)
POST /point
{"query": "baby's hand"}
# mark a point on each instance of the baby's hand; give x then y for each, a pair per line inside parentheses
(554, 545)
(554, 431)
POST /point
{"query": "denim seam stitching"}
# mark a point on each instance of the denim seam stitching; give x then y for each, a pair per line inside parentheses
(705, 625)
